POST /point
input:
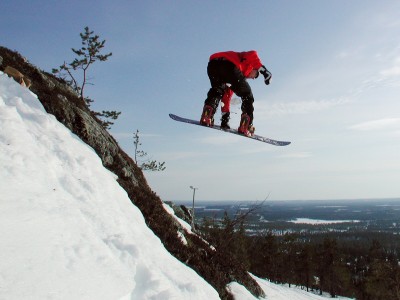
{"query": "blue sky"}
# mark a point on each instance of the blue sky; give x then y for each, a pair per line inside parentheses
(334, 92)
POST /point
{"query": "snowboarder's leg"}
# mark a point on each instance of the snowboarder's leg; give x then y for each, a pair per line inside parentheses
(225, 120)
(243, 90)
(214, 95)
(247, 106)
(215, 71)
(211, 104)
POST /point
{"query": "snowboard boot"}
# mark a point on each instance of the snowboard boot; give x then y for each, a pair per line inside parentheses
(207, 117)
(246, 128)
(225, 120)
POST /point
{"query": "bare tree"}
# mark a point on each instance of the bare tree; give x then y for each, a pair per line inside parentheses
(146, 165)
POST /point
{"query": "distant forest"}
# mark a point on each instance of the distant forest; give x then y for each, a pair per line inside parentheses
(357, 260)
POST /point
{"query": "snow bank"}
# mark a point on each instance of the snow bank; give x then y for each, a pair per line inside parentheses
(67, 229)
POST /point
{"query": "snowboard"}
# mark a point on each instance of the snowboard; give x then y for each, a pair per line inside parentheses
(234, 131)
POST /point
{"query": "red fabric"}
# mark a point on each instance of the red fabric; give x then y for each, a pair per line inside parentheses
(226, 100)
(245, 61)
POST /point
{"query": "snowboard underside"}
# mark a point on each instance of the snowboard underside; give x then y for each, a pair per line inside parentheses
(233, 131)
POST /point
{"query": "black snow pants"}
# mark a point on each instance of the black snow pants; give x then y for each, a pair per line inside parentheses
(222, 71)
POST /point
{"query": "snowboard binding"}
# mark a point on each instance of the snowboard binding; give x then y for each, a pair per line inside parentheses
(246, 128)
(207, 117)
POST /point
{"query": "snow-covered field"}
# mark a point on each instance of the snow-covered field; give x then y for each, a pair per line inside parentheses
(319, 222)
(69, 231)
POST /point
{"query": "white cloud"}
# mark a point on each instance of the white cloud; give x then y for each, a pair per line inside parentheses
(393, 71)
(381, 124)
(394, 64)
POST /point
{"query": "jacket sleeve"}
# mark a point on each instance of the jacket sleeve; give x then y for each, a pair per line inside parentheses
(226, 100)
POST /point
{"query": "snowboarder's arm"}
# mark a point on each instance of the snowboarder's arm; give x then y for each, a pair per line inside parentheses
(226, 100)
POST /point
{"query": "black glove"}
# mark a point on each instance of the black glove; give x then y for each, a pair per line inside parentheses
(267, 74)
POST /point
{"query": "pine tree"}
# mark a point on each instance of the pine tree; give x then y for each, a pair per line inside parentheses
(87, 55)
(241, 246)
(75, 73)
(264, 255)
(304, 267)
(325, 258)
(288, 249)
(383, 276)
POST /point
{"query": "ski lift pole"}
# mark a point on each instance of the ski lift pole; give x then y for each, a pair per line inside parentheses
(194, 193)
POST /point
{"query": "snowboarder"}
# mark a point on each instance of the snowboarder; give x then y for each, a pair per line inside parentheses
(228, 72)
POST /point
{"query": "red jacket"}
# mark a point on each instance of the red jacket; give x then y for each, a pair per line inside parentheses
(245, 61)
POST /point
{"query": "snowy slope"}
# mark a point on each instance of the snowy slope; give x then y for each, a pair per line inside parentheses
(68, 230)
(278, 292)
